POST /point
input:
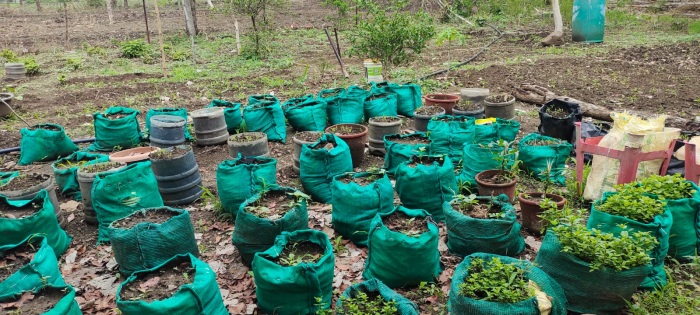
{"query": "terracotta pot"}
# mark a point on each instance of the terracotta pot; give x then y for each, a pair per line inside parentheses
(529, 210)
(446, 101)
(132, 155)
(490, 189)
(355, 141)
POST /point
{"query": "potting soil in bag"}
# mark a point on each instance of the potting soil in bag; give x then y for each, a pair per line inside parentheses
(600, 291)
(538, 158)
(118, 194)
(179, 112)
(253, 234)
(408, 96)
(467, 235)
(67, 305)
(380, 104)
(267, 117)
(659, 228)
(355, 205)
(493, 129)
(41, 270)
(403, 305)
(241, 178)
(44, 142)
(201, 296)
(553, 293)
(148, 244)
(684, 240)
(320, 162)
(293, 290)
(448, 134)
(116, 128)
(232, 115)
(344, 106)
(603, 175)
(263, 99)
(397, 153)
(307, 116)
(5, 177)
(426, 182)
(297, 101)
(477, 158)
(400, 260)
(65, 171)
(562, 126)
(39, 219)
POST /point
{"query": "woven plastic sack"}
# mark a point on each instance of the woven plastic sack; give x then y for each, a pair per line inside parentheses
(477, 158)
(41, 270)
(408, 96)
(121, 193)
(601, 291)
(123, 133)
(293, 290)
(232, 115)
(660, 228)
(297, 101)
(39, 144)
(179, 112)
(344, 106)
(537, 158)
(460, 304)
(426, 187)
(354, 206)
(488, 130)
(399, 260)
(266, 116)
(448, 134)
(148, 244)
(380, 104)
(67, 178)
(5, 177)
(318, 166)
(253, 234)
(67, 305)
(500, 236)
(241, 178)
(42, 221)
(201, 297)
(310, 115)
(397, 153)
(403, 305)
(262, 99)
(684, 241)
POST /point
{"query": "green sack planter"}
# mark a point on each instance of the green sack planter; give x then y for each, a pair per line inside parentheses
(408, 96)
(243, 177)
(5, 177)
(293, 290)
(232, 115)
(201, 297)
(179, 112)
(297, 101)
(149, 244)
(266, 116)
(536, 157)
(308, 116)
(118, 194)
(122, 133)
(660, 228)
(467, 235)
(403, 305)
(262, 99)
(426, 186)
(684, 241)
(355, 205)
(448, 134)
(253, 234)
(601, 291)
(44, 142)
(398, 152)
(41, 270)
(460, 304)
(43, 221)
(380, 104)
(318, 166)
(344, 106)
(477, 158)
(399, 260)
(65, 171)
(501, 129)
(67, 305)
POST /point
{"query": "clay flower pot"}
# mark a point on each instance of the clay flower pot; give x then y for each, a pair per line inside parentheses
(446, 101)
(355, 136)
(530, 209)
(487, 187)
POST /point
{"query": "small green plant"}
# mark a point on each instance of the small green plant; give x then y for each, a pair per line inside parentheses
(96, 51)
(670, 187)
(62, 80)
(95, 3)
(73, 63)
(136, 48)
(31, 67)
(496, 281)
(449, 35)
(214, 202)
(633, 203)
(8, 55)
(362, 303)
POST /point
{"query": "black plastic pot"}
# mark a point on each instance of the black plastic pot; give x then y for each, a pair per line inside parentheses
(29, 193)
(562, 128)
(476, 113)
(210, 126)
(504, 110)
(179, 181)
(167, 131)
(420, 122)
(256, 146)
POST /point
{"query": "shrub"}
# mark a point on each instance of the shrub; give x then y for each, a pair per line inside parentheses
(667, 187)
(364, 304)
(496, 281)
(73, 63)
(8, 55)
(31, 67)
(136, 48)
(633, 203)
(95, 51)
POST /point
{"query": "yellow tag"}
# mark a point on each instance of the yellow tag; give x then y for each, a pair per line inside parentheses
(484, 121)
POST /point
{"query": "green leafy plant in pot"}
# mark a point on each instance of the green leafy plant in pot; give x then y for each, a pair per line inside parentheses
(502, 180)
(532, 204)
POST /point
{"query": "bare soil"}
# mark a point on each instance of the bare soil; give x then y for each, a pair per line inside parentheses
(153, 216)
(101, 167)
(308, 136)
(24, 181)
(325, 145)
(116, 116)
(176, 152)
(273, 205)
(45, 127)
(399, 222)
(428, 110)
(425, 160)
(297, 252)
(377, 96)
(16, 258)
(361, 180)
(245, 137)
(499, 98)
(497, 178)
(248, 161)
(160, 284)
(34, 304)
(9, 212)
(346, 129)
(385, 119)
(413, 140)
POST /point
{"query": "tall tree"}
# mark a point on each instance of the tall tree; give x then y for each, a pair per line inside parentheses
(555, 38)
(189, 6)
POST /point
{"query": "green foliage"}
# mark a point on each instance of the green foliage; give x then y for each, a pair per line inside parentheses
(177, 54)
(449, 35)
(136, 48)
(634, 203)
(667, 187)
(31, 67)
(573, 187)
(73, 63)
(694, 28)
(496, 281)
(95, 51)
(256, 10)
(8, 55)
(362, 303)
(95, 3)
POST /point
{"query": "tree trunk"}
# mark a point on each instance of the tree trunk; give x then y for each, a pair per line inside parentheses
(556, 38)
(38, 5)
(126, 4)
(110, 12)
(190, 17)
(211, 5)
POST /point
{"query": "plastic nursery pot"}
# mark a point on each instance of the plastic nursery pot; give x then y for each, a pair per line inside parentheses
(355, 136)
(423, 115)
(210, 126)
(28, 193)
(86, 177)
(248, 144)
(500, 106)
(5, 99)
(132, 155)
(299, 139)
(167, 131)
(474, 95)
(177, 173)
(486, 186)
(558, 118)
(530, 209)
(468, 109)
(380, 127)
(446, 101)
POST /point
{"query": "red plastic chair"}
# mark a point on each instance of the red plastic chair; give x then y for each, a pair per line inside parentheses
(692, 169)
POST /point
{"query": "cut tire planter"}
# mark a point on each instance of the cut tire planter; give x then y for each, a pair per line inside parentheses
(179, 181)
(505, 110)
(298, 142)
(85, 180)
(490, 189)
(29, 193)
(446, 101)
(530, 210)
(378, 129)
(210, 126)
(6, 98)
(15, 71)
(420, 121)
(248, 144)
(355, 141)
(167, 131)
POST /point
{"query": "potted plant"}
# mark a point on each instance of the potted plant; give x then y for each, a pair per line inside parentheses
(446, 101)
(557, 118)
(86, 177)
(177, 173)
(27, 185)
(355, 136)
(299, 139)
(400, 148)
(243, 177)
(372, 297)
(378, 128)
(380, 104)
(248, 144)
(532, 204)
(500, 106)
(28, 265)
(424, 114)
(425, 182)
(500, 181)
(468, 108)
(320, 162)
